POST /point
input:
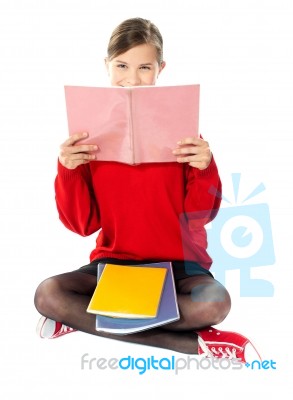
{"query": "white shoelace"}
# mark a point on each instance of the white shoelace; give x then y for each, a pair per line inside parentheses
(213, 352)
(66, 329)
(226, 353)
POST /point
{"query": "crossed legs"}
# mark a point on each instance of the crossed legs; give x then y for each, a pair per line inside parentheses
(202, 302)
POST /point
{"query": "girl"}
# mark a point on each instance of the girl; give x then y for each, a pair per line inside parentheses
(142, 227)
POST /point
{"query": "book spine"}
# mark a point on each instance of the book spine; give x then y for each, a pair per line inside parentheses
(131, 134)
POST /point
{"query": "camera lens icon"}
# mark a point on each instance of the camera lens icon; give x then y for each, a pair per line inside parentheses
(241, 236)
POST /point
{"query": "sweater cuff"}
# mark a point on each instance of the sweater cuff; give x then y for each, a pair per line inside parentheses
(210, 170)
(65, 173)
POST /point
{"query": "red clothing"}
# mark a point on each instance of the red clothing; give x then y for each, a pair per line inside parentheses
(143, 211)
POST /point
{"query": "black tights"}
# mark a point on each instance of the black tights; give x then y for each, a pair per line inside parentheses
(202, 302)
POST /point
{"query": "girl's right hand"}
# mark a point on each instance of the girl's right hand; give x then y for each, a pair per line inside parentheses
(72, 154)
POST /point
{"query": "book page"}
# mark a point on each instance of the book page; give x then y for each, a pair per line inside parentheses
(161, 117)
(104, 114)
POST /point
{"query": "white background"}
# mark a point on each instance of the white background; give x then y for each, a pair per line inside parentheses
(241, 54)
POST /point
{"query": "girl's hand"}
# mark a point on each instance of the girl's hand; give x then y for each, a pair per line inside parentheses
(72, 155)
(195, 151)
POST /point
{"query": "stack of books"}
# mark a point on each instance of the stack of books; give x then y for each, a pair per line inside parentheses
(132, 298)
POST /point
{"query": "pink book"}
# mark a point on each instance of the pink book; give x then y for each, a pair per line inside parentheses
(134, 125)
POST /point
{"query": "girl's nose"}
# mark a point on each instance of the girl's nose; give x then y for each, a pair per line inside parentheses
(132, 79)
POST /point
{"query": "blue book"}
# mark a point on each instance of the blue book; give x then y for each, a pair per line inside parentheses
(168, 310)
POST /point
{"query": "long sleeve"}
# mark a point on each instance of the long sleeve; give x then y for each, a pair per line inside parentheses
(203, 194)
(75, 200)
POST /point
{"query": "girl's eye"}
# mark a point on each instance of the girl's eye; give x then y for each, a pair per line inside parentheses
(122, 66)
(145, 67)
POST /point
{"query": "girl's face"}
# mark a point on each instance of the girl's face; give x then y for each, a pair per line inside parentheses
(136, 67)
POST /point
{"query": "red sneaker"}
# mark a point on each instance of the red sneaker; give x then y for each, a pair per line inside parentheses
(221, 344)
(49, 329)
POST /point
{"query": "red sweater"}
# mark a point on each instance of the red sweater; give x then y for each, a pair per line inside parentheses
(151, 211)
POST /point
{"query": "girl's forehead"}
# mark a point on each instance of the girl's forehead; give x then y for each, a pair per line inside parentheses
(144, 53)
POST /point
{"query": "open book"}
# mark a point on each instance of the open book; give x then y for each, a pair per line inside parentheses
(133, 125)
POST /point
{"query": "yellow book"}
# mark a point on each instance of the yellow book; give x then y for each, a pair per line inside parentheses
(128, 291)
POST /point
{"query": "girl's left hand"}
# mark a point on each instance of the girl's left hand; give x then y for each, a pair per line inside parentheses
(195, 151)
